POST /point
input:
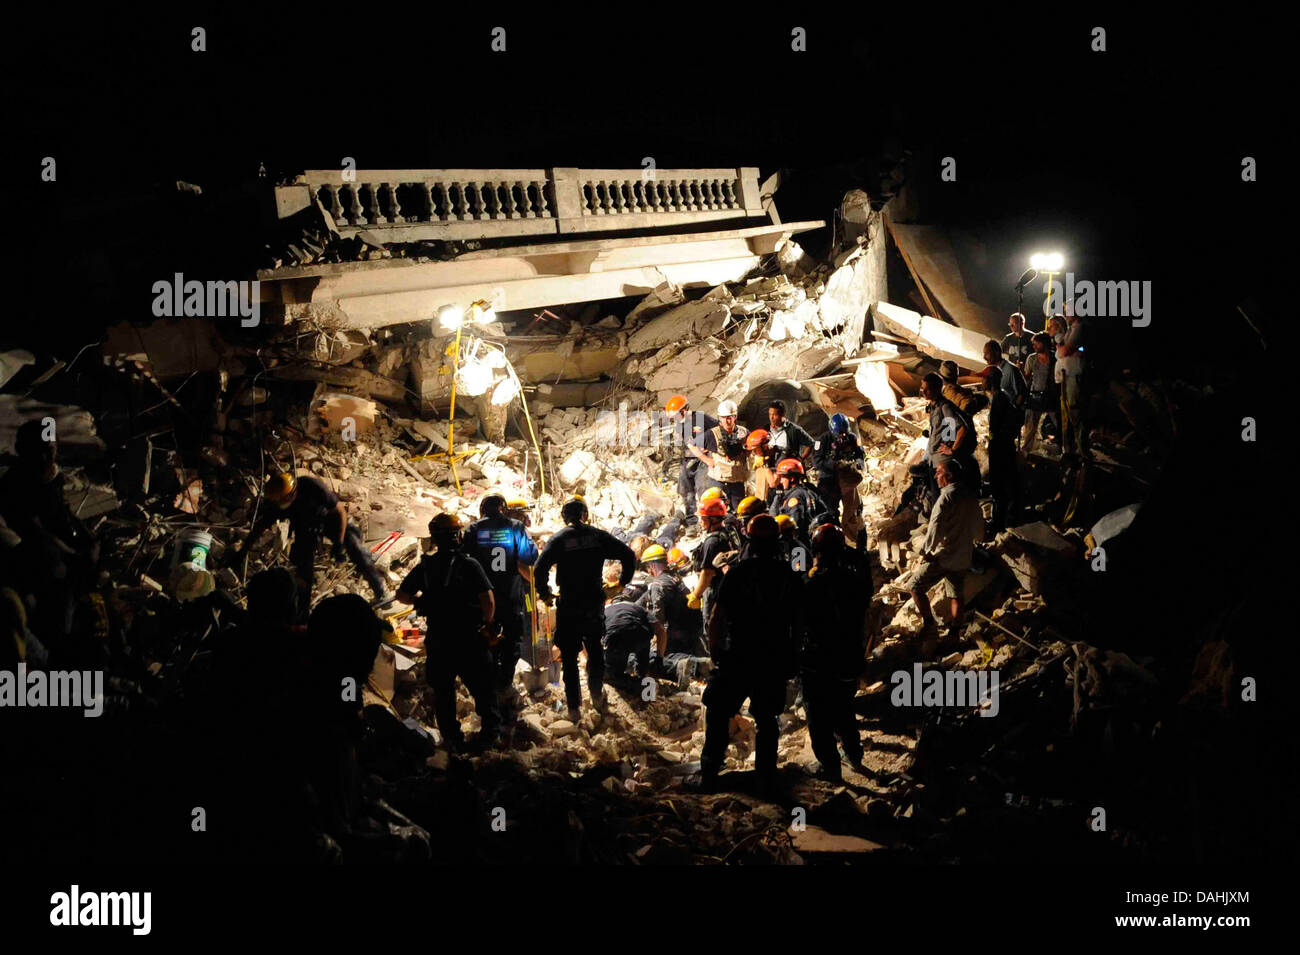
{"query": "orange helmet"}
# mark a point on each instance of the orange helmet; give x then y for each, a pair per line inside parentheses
(756, 439)
(749, 507)
(714, 508)
(763, 527)
(675, 403)
(677, 559)
(789, 466)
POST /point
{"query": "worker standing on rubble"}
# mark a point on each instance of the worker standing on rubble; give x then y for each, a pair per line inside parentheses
(717, 543)
(1004, 426)
(685, 430)
(1070, 373)
(678, 630)
(504, 550)
(751, 640)
(722, 449)
(760, 466)
(785, 438)
(454, 594)
(312, 510)
(839, 459)
(796, 499)
(748, 508)
(1018, 345)
(831, 628)
(951, 432)
(1042, 402)
(578, 553)
(956, 522)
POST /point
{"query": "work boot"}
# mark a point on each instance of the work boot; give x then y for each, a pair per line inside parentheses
(701, 782)
(599, 701)
(575, 715)
(825, 772)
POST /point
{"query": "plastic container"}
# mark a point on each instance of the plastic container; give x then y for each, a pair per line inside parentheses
(192, 547)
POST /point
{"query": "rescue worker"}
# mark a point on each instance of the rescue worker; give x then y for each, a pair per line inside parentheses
(312, 509)
(968, 402)
(831, 628)
(454, 594)
(645, 524)
(578, 553)
(748, 508)
(956, 522)
(678, 630)
(839, 460)
(760, 466)
(717, 542)
(951, 434)
(722, 449)
(1004, 427)
(685, 430)
(631, 653)
(786, 529)
(785, 438)
(504, 550)
(797, 499)
(751, 640)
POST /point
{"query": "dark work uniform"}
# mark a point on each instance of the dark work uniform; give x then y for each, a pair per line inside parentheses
(1004, 426)
(714, 543)
(692, 478)
(643, 526)
(804, 506)
(756, 599)
(832, 618)
(828, 454)
(501, 545)
(628, 634)
(665, 603)
(732, 446)
(447, 587)
(578, 553)
(311, 515)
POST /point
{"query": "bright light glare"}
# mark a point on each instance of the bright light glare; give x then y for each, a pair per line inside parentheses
(451, 317)
(1047, 261)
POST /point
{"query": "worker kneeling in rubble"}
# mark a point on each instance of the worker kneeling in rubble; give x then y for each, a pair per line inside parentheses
(678, 629)
(630, 650)
(751, 639)
(831, 627)
(504, 550)
(578, 553)
(312, 509)
(454, 594)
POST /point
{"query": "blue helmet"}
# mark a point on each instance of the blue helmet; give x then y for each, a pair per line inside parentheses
(839, 424)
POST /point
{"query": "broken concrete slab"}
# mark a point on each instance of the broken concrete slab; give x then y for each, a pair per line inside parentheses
(697, 319)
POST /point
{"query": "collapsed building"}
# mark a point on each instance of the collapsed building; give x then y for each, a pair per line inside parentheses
(604, 292)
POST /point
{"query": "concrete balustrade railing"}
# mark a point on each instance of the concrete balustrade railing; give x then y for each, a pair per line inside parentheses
(414, 204)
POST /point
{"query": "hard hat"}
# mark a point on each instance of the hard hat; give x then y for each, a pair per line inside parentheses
(678, 559)
(749, 507)
(827, 538)
(726, 409)
(281, 488)
(444, 525)
(755, 439)
(492, 504)
(839, 424)
(789, 466)
(764, 527)
(712, 494)
(574, 510)
(654, 552)
(714, 508)
(517, 504)
(786, 524)
(675, 403)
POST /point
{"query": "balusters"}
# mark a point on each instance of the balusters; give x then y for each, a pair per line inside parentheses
(354, 212)
(729, 190)
(543, 211)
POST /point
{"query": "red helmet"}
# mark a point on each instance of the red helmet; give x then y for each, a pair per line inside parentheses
(714, 508)
(756, 439)
(763, 527)
(827, 538)
(789, 466)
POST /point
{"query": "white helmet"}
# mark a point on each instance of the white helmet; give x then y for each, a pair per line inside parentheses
(726, 409)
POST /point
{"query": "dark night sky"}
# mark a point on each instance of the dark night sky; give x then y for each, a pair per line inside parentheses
(1128, 161)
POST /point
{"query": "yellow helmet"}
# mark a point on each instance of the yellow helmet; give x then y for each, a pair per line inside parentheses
(652, 553)
(517, 504)
(786, 523)
(712, 494)
(281, 488)
(749, 507)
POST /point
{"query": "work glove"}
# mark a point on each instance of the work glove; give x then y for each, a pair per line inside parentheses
(693, 601)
